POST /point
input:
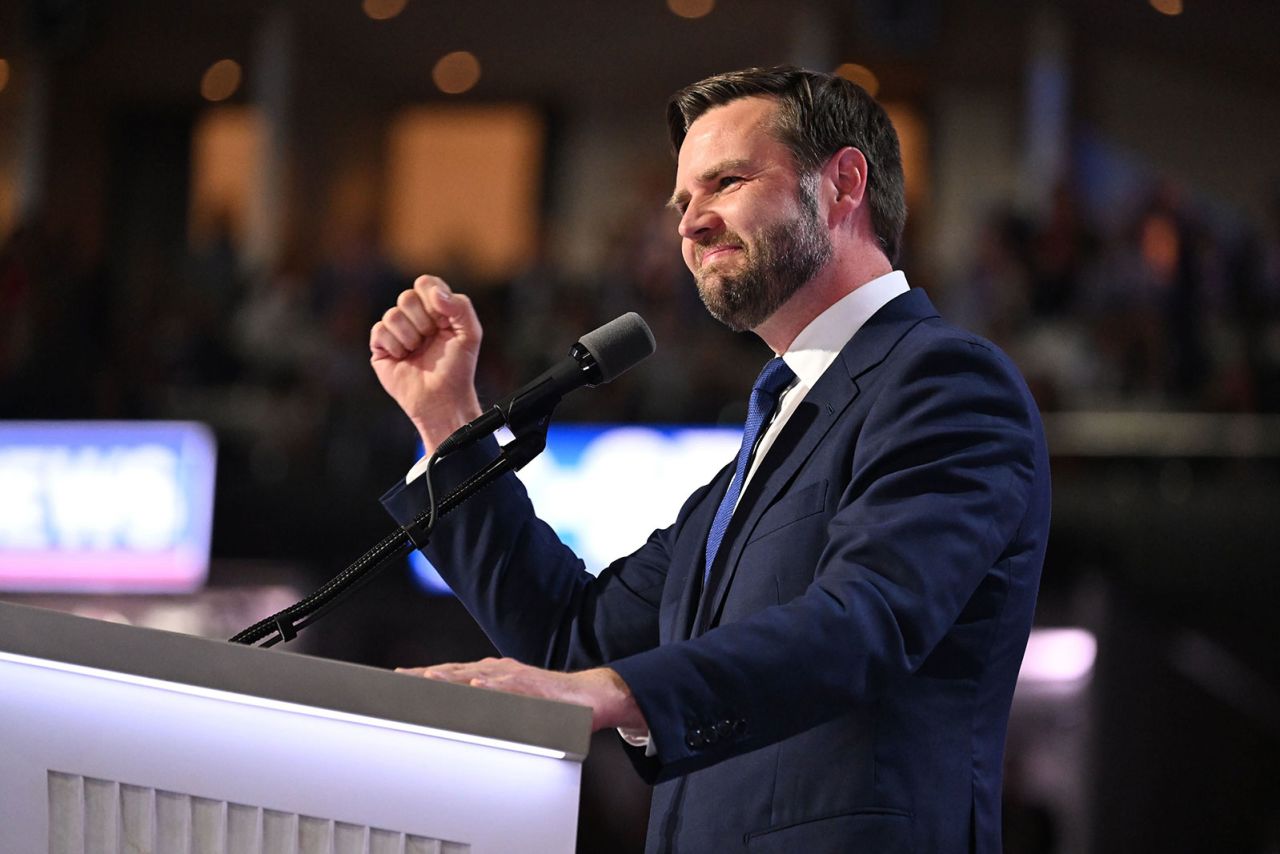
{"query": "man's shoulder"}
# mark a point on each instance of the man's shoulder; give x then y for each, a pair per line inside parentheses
(936, 332)
(925, 351)
(909, 327)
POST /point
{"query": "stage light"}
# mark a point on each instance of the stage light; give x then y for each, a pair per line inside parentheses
(220, 80)
(691, 8)
(1061, 655)
(861, 75)
(383, 10)
(456, 72)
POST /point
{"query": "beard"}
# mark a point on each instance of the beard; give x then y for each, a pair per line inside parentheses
(782, 258)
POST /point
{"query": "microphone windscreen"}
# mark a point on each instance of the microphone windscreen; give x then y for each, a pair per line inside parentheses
(619, 345)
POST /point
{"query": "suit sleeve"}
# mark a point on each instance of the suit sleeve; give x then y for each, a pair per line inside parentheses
(940, 482)
(528, 591)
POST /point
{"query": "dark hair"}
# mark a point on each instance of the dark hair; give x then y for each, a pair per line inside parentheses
(818, 114)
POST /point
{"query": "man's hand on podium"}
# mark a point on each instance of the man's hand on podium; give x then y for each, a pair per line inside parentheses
(601, 689)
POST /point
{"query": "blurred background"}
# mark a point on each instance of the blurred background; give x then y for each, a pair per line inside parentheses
(204, 207)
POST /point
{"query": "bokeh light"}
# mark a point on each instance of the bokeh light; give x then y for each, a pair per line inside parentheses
(221, 80)
(691, 8)
(4, 74)
(861, 75)
(456, 72)
(383, 10)
(1167, 7)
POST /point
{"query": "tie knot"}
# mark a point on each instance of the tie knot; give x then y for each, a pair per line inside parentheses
(774, 378)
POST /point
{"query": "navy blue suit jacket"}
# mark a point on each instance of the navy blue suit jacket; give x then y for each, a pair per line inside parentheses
(844, 682)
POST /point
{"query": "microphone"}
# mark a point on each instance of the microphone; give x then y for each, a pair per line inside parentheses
(597, 358)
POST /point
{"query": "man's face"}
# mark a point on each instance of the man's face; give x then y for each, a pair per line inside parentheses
(750, 227)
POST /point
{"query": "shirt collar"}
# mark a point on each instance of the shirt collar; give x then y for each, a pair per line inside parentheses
(819, 343)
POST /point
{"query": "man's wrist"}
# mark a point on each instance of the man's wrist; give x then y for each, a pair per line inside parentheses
(438, 427)
(614, 704)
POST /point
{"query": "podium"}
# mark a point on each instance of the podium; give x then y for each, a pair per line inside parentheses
(120, 739)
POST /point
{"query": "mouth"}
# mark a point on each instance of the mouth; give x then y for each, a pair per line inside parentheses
(713, 252)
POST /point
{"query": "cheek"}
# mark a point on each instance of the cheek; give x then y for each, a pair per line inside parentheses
(686, 250)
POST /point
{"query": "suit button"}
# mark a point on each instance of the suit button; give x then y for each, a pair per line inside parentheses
(724, 729)
(739, 727)
(696, 739)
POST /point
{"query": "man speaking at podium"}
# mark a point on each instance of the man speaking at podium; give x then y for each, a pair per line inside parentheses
(820, 653)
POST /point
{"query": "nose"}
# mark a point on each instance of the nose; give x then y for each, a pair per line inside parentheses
(698, 221)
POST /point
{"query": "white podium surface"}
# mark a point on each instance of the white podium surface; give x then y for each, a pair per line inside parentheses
(119, 739)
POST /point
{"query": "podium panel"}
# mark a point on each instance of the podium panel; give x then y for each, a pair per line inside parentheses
(133, 740)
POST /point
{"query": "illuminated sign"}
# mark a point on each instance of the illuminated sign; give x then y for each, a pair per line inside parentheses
(105, 506)
(605, 489)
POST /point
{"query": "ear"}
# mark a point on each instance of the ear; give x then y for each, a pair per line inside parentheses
(846, 180)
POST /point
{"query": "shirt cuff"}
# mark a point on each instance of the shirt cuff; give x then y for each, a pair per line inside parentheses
(418, 468)
(639, 738)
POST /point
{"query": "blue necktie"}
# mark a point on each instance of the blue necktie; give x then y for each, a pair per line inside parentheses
(764, 397)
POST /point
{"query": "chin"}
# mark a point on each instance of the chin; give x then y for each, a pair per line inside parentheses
(724, 310)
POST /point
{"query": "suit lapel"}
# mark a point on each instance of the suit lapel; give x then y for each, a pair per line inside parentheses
(690, 556)
(797, 441)
(834, 392)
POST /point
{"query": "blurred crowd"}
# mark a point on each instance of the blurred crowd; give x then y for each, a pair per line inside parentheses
(1169, 311)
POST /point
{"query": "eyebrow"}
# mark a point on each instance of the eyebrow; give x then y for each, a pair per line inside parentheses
(679, 197)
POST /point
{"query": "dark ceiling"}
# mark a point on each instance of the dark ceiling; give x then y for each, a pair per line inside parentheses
(628, 54)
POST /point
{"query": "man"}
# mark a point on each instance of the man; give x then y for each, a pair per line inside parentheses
(820, 653)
